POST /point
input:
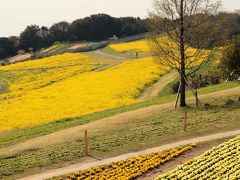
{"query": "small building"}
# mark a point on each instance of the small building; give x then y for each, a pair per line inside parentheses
(21, 51)
(114, 37)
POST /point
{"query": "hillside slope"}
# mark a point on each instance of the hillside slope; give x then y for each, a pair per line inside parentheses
(117, 120)
(77, 95)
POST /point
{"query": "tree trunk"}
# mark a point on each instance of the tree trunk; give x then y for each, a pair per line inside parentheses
(183, 92)
(182, 55)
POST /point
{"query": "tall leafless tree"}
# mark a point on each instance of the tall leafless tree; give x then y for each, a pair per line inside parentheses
(186, 24)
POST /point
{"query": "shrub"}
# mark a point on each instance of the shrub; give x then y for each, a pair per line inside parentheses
(231, 58)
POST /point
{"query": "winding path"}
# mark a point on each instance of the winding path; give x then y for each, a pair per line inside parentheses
(156, 88)
(106, 58)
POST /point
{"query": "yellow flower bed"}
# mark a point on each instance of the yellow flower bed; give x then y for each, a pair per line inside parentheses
(221, 163)
(79, 95)
(128, 169)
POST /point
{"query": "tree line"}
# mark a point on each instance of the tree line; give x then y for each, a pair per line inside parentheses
(97, 27)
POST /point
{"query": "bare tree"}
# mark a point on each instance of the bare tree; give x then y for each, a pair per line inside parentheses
(186, 25)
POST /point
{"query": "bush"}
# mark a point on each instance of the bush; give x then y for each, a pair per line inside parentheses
(175, 87)
(231, 58)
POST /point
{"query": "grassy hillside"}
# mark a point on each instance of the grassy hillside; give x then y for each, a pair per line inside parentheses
(59, 88)
(70, 97)
(21, 135)
(45, 96)
(36, 74)
(143, 48)
(123, 136)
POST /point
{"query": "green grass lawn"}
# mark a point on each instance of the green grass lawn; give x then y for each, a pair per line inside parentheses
(21, 135)
(159, 128)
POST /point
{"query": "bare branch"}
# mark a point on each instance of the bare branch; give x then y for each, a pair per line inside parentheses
(187, 24)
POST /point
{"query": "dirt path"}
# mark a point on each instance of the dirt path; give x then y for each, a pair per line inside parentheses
(73, 133)
(113, 56)
(156, 88)
(108, 60)
(81, 166)
(20, 57)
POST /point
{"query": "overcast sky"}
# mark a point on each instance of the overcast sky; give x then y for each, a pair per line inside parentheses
(15, 15)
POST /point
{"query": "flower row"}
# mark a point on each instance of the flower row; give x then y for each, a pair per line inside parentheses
(221, 162)
(130, 168)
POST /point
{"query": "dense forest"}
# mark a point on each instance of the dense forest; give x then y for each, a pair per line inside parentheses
(99, 27)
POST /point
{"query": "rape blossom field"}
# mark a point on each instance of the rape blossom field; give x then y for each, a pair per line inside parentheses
(145, 46)
(35, 74)
(221, 162)
(141, 45)
(76, 91)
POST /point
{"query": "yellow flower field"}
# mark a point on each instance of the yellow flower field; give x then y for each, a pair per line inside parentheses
(78, 95)
(141, 45)
(144, 45)
(36, 74)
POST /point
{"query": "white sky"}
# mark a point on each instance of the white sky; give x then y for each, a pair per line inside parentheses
(15, 15)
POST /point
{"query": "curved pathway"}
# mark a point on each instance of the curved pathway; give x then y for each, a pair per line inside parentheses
(156, 88)
(107, 60)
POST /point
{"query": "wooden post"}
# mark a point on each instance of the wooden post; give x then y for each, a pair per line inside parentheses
(230, 76)
(192, 89)
(185, 120)
(136, 55)
(197, 102)
(86, 142)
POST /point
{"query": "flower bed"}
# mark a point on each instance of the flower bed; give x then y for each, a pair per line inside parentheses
(221, 162)
(130, 168)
